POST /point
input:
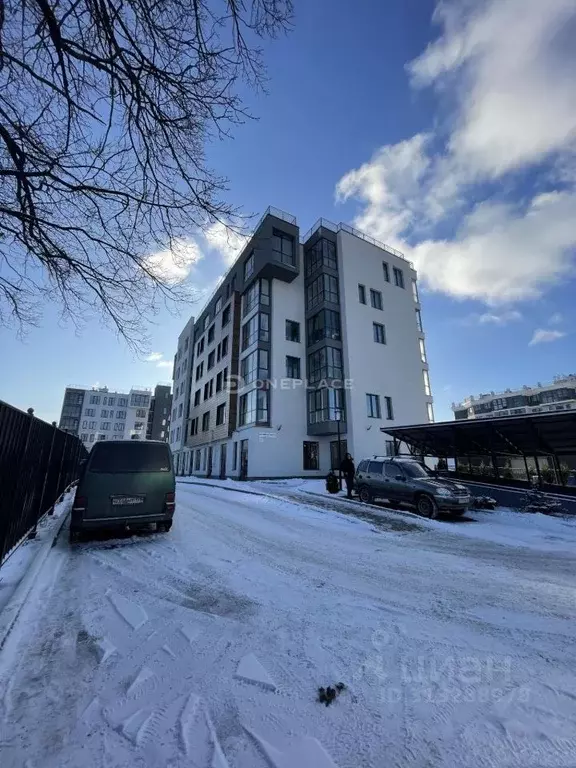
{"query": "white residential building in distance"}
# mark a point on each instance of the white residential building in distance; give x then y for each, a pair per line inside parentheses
(559, 395)
(304, 339)
(99, 414)
(181, 385)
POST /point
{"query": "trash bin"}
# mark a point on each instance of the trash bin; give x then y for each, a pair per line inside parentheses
(332, 484)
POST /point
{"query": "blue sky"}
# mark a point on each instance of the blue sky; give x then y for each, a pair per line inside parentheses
(428, 125)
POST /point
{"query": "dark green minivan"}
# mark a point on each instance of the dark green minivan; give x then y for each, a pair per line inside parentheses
(125, 484)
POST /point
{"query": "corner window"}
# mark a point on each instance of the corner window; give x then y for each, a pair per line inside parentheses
(283, 248)
(373, 406)
(415, 291)
(311, 453)
(427, 389)
(422, 350)
(430, 410)
(376, 299)
(386, 271)
(249, 266)
(361, 294)
(220, 414)
(292, 330)
(323, 288)
(218, 305)
(379, 333)
(398, 277)
(206, 421)
(419, 320)
(324, 325)
(254, 407)
(325, 363)
(321, 254)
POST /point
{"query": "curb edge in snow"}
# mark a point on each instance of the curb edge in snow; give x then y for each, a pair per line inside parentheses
(9, 615)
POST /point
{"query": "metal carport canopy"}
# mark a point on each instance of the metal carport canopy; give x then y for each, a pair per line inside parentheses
(532, 435)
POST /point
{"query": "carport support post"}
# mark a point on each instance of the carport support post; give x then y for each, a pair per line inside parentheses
(538, 471)
(558, 469)
(526, 467)
(495, 466)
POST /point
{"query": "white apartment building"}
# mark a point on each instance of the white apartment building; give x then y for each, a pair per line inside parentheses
(97, 414)
(182, 383)
(559, 395)
(302, 340)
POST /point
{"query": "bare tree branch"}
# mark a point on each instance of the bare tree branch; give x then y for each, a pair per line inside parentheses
(105, 110)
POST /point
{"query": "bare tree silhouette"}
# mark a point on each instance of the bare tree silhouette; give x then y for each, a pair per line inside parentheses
(105, 110)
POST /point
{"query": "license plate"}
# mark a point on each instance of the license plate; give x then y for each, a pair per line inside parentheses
(464, 500)
(118, 501)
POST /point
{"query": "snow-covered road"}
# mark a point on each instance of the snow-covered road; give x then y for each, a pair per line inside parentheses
(205, 647)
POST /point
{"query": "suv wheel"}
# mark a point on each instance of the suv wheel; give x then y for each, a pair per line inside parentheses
(426, 506)
(365, 494)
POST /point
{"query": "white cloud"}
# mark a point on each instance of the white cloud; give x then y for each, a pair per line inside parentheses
(164, 364)
(556, 319)
(518, 101)
(225, 240)
(153, 357)
(541, 336)
(173, 265)
(490, 318)
(509, 67)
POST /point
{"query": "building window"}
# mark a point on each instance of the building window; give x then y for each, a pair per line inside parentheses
(211, 359)
(111, 400)
(92, 412)
(292, 367)
(220, 414)
(94, 399)
(376, 299)
(206, 421)
(235, 456)
(84, 437)
(199, 371)
(140, 401)
(194, 427)
(373, 406)
(119, 426)
(138, 426)
(219, 382)
(180, 410)
(323, 288)
(292, 331)
(324, 325)
(249, 266)
(389, 408)
(84, 425)
(259, 292)
(398, 277)
(379, 333)
(264, 327)
(91, 425)
(206, 390)
(197, 396)
(361, 293)
(415, 291)
(226, 316)
(122, 402)
(105, 426)
(422, 350)
(283, 247)
(419, 320)
(326, 363)
(206, 322)
(211, 334)
(91, 439)
(254, 366)
(430, 410)
(321, 254)
(386, 271)
(104, 413)
(218, 305)
(254, 407)
(101, 437)
(250, 332)
(224, 347)
(326, 404)
(197, 459)
(200, 346)
(311, 452)
(427, 389)
(140, 413)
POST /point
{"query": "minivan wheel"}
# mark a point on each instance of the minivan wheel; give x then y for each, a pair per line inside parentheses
(164, 526)
(427, 507)
(365, 494)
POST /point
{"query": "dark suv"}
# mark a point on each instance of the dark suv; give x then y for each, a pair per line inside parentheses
(407, 481)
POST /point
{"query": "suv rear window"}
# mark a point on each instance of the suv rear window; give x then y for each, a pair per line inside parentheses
(375, 467)
(362, 466)
(115, 458)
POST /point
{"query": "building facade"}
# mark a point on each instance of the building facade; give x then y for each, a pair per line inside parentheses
(560, 395)
(304, 340)
(159, 414)
(98, 414)
(182, 384)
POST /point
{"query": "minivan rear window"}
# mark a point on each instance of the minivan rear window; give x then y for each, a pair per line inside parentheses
(115, 458)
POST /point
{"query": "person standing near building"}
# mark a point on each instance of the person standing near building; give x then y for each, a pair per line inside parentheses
(348, 470)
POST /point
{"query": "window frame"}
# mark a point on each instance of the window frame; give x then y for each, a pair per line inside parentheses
(279, 255)
(293, 324)
(293, 367)
(379, 333)
(310, 455)
(376, 299)
(371, 401)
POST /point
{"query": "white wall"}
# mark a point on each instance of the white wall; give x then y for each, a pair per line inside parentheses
(393, 369)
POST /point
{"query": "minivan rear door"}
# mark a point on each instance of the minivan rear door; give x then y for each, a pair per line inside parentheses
(127, 479)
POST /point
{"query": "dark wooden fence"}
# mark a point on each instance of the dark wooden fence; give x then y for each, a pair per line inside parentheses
(38, 462)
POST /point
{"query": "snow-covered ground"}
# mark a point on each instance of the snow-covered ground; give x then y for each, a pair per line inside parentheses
(205, 647)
